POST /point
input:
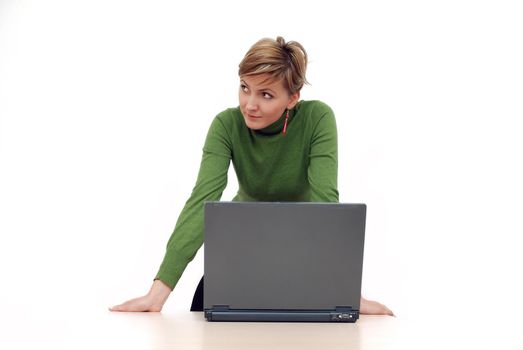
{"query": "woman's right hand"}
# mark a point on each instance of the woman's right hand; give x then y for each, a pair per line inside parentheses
(152, 301)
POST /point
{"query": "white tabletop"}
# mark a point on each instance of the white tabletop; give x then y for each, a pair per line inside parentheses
(100, 329)
(190, 330)
(186, 330)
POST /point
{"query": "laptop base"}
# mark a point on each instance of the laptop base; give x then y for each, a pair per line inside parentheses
(224, 314)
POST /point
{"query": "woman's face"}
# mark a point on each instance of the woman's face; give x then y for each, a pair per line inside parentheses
(263, 100)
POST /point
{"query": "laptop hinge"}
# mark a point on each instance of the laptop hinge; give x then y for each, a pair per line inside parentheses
(215, 308)
(225, 308)
(220, 308)
(343, 308)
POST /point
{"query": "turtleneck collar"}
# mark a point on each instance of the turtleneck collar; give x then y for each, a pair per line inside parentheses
(277, 126)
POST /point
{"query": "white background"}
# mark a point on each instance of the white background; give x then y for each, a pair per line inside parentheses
(104, 107)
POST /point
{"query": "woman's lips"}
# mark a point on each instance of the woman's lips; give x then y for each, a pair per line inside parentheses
(253, 116)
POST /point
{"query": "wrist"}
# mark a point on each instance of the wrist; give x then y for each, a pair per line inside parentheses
(159, 291)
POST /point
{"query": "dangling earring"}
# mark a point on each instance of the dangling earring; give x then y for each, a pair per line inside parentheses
(285, 125)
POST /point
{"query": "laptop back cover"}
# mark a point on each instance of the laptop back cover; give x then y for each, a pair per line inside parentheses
(283, 256)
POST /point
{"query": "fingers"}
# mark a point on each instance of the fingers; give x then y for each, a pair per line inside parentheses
(389, 312)
(135, 305)
(384, 310)
(370, 307)
(116, 308)
(130, 305)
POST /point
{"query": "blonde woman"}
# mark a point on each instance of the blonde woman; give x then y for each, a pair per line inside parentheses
(282, 149)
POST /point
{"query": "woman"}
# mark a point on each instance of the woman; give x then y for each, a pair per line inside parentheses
(282, 149)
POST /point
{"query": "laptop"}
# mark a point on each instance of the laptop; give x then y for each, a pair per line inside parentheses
(283, 261)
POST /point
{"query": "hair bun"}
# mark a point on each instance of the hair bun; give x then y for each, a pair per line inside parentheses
(281, 41)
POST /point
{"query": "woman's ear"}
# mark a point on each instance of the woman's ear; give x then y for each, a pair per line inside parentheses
(295, 97)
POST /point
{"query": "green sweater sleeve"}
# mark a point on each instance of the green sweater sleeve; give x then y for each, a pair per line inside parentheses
(322, 172)
(187, 236)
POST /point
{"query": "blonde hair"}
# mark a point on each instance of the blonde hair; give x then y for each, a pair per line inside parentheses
(287, 61)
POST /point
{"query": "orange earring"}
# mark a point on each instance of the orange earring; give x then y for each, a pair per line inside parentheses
(285, 125)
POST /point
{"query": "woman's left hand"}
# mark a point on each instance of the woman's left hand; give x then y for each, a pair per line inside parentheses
(370, 307)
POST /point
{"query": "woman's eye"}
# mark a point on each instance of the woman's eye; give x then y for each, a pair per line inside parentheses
(243, 87)
(267, 95)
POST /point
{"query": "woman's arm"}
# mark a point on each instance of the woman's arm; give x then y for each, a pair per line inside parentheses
(187, 237)
(322, 172)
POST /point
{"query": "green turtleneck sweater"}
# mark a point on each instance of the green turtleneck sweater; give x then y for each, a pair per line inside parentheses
(300, 166)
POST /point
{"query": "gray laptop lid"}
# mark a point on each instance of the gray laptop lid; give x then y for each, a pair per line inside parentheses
(283, 256)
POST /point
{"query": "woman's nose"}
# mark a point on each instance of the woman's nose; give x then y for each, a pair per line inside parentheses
(251, 105)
